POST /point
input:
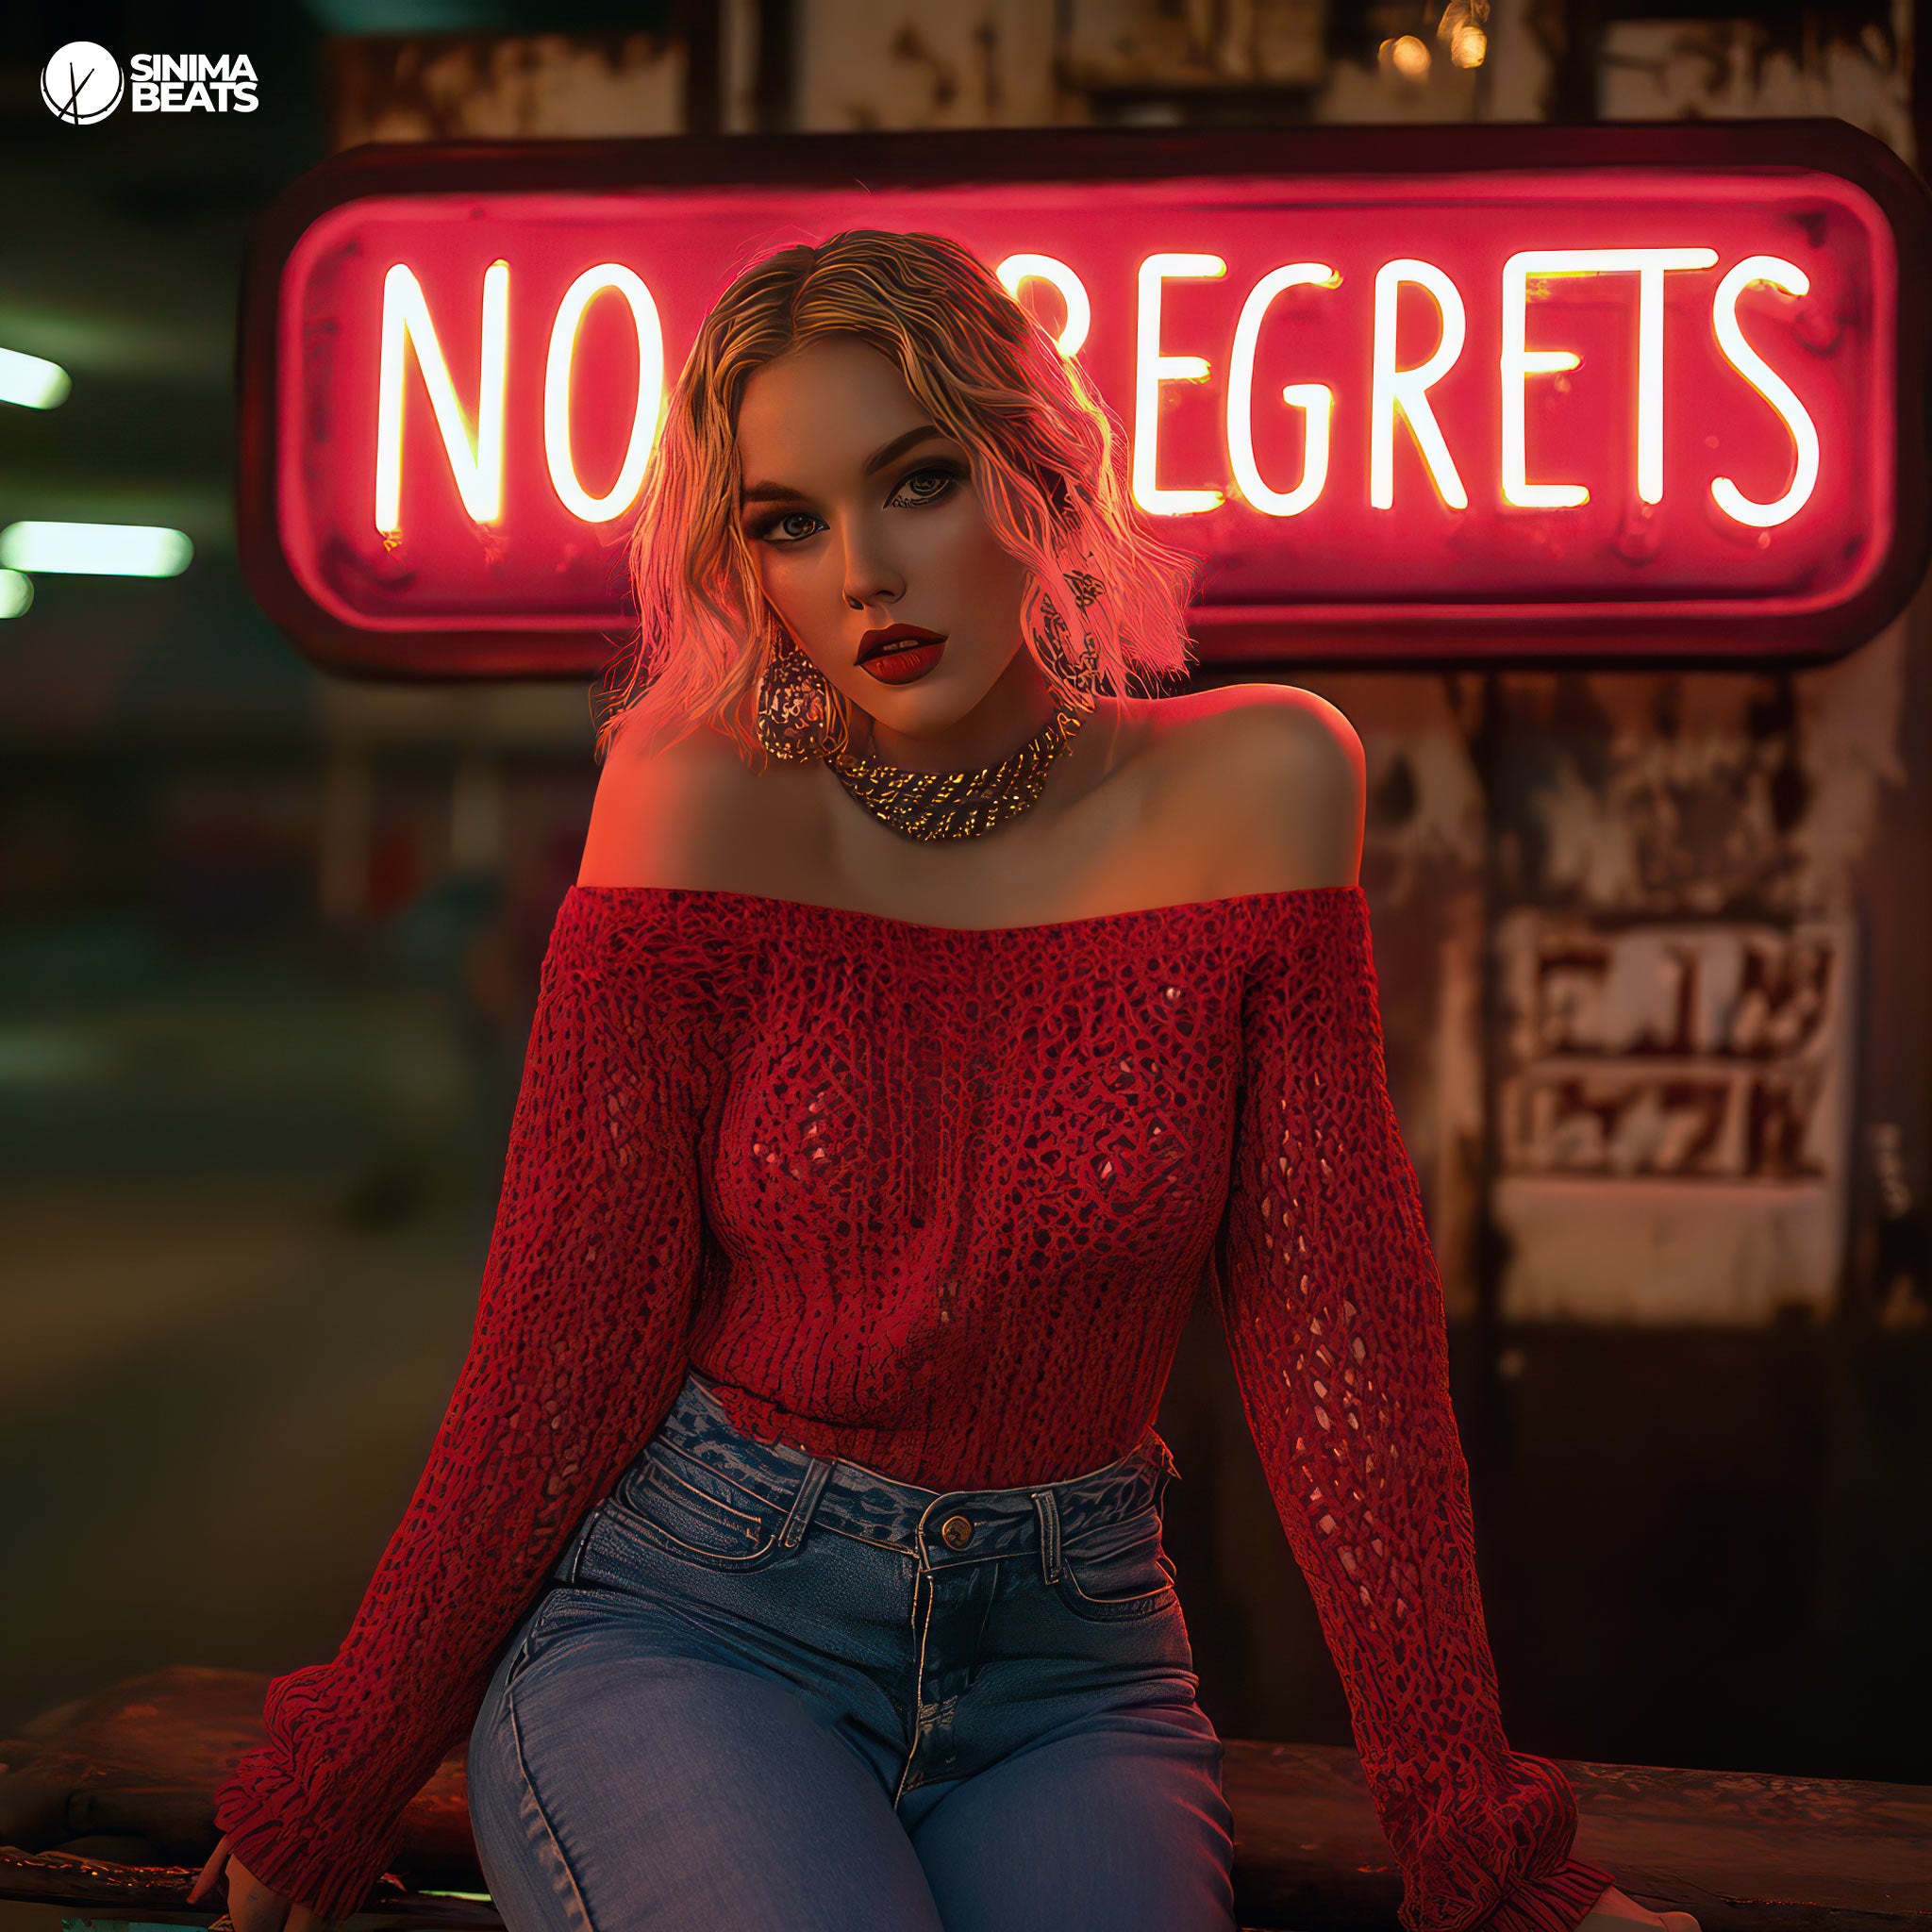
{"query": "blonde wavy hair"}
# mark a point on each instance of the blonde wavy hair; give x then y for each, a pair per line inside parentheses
(1048, 464)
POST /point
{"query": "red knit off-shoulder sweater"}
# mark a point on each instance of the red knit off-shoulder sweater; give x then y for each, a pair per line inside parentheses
(898, 1189)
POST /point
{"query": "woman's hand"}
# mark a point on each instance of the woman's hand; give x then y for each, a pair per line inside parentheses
(1613, 1912)
(251, 1907)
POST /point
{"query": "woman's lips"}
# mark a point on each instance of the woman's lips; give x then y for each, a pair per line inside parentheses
(901, 663)
(886, 636)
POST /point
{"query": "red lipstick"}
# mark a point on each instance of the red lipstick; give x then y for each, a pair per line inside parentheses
(874, 642)
(900, 652)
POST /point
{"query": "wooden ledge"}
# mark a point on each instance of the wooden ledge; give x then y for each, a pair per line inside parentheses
(104, 1811)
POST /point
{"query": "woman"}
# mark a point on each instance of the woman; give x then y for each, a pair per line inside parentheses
(790, 1549)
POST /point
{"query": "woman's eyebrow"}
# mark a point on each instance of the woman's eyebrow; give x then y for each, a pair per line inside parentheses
(783, 493)
(898, 446)
(771, 492)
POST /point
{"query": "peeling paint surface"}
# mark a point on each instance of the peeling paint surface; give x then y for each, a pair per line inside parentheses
(1681, 861)
(497, 88)
(1695, 1052)
(927, 63)
(1666, 69)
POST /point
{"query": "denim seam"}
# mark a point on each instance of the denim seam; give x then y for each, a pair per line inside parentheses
(756, 1496)
(1146, 1596)
(727, 1562)
(674, 1484)
(1151, 1450)
(923, 1577)
(777, 1497)
(828, 1518)
(585, 1532)
(535, 1805)
(833, 1528)
(906, 1549)
(1149, 1598)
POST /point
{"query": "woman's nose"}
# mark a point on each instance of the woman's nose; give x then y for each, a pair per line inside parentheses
(870, 576)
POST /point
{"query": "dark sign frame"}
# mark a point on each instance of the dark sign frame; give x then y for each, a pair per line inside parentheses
(985, 157)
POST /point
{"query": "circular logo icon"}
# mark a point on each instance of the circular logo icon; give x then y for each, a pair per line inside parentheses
(81, 84)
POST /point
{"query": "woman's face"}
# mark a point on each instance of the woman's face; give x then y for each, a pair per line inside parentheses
(860, 516)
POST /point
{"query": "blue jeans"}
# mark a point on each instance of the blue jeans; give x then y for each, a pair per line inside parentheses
(765, 1692)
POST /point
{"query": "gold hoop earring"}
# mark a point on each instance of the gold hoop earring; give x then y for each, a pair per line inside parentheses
(795, 706)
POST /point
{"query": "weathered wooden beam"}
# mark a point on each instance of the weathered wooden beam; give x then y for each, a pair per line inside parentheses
(1744, 1851)
(106, 1890)
(104, 1811)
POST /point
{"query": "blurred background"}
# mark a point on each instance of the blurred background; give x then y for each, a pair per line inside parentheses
(269, 942)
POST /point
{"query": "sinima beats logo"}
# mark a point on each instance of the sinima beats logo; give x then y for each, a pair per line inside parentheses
(83, 83)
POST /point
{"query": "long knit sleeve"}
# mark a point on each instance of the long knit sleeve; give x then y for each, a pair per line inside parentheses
(576, 1355)
(1332, 1306)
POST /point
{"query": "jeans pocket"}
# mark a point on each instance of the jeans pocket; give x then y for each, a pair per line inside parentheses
(1118, 1571)
(657, 1506)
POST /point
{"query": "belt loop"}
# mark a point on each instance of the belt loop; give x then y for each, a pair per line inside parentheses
(1049, 1535)
(806, 1501)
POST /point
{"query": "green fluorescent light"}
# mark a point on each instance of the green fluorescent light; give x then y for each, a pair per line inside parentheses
(31, 381)
(16, 593)
(109, 550)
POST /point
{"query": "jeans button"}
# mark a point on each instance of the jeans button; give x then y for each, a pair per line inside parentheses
(957, 1531)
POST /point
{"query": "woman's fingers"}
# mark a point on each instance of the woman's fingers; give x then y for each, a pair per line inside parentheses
(209, 1871)
(252, 1905)
(1616, 1909)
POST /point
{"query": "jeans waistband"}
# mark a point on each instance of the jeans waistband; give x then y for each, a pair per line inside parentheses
(941, 1526)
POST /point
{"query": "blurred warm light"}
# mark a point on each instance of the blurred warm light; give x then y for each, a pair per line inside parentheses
(31, 381)
(16, 593)
(111, 550)
(1467, 46)
(1409, 56)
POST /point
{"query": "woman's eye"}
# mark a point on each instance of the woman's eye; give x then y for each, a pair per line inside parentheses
(923, 486)
(783, 529)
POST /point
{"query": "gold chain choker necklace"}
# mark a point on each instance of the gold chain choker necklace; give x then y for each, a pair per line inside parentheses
(957, 805)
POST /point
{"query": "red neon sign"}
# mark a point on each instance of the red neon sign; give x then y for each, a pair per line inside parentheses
(1621, 393)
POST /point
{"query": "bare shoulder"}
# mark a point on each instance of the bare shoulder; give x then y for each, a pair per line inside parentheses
(675, 814)
(1279, 776)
